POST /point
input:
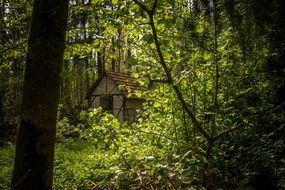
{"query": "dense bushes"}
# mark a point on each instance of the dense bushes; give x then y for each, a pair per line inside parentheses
(122, 156)
(101, 153)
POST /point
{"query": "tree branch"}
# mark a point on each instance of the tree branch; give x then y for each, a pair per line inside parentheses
(143, 6)
(175, 87)
(154, 7)
(227, 131)
(169, 77)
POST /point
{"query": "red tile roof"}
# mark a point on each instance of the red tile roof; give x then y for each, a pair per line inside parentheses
(128, 83)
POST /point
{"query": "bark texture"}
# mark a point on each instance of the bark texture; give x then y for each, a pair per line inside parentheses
(33, 165)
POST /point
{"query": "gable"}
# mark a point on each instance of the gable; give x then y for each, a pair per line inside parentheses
(106, 86)
(109, 82)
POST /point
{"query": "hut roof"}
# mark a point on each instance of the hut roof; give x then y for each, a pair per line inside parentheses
(128, 83)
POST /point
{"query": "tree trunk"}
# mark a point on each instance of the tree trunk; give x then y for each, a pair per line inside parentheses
(33, 165)
(2, 113)
(100, 63)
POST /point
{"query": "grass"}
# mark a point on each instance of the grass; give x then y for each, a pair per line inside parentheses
(6, 160)
(77, 165)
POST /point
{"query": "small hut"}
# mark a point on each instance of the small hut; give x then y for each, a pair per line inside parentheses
(111, 92)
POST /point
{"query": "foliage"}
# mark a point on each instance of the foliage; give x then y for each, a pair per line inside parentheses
(14, 17)
(6, 158)
(227, 60)
(130, 156)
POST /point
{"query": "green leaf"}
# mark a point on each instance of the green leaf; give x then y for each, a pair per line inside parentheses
(147, 38)
(152, 45)
(171, 2)
(168, 23)
(114, 2)
(136, 75)
(156, 104)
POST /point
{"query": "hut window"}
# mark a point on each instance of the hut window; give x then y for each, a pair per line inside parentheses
(106, 102)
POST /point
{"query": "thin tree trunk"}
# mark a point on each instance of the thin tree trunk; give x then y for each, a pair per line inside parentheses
(100, 64)
(113, 60)
(2, 113)
(33, 166)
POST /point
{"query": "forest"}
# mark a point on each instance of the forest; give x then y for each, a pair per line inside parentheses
(142, 94)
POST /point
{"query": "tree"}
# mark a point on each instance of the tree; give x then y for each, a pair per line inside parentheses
(36, 133)
(14, 24)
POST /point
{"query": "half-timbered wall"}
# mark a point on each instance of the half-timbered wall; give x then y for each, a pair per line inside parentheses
(118, 109)
(132, 105)
(123, 108)
(106, 86)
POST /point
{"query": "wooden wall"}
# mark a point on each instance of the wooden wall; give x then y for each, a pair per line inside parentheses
(123, 108)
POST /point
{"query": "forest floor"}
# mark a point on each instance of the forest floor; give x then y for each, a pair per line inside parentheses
(73, 166)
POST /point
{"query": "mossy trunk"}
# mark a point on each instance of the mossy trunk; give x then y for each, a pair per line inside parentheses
(33, 166)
